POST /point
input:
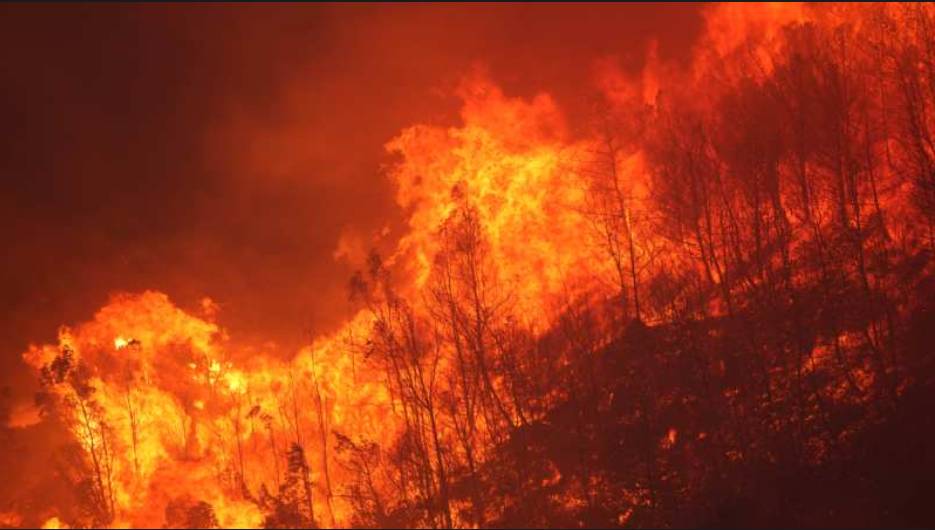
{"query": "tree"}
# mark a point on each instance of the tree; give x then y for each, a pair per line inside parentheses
(186, 512)
(292, 507)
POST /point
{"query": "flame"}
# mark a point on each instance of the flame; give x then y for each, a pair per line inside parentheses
(508, 163)
(54, 523)
(668, 442)
(511, 196)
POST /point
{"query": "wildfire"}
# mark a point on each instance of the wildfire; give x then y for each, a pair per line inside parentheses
(514, 222)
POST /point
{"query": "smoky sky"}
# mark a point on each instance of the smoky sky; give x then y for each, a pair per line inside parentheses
(221, 150)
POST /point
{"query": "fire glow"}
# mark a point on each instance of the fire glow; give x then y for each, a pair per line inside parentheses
(614, 283)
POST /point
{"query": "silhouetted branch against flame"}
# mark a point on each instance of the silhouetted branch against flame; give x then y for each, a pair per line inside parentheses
(722, 276)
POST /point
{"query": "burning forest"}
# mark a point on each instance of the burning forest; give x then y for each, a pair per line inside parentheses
(700, 295)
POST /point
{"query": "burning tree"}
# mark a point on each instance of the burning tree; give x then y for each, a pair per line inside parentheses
(707, 308)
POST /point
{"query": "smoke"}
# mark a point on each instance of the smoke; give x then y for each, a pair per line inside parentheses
(224, 151)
